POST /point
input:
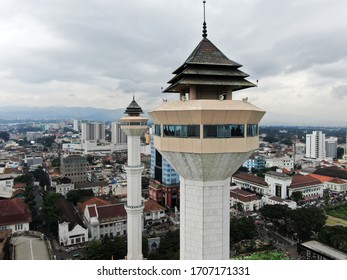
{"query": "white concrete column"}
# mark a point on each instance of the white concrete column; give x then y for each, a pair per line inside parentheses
(134, 150)
(134, 205)
(204, 219)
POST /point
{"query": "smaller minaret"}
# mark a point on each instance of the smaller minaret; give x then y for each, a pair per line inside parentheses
(134, 125)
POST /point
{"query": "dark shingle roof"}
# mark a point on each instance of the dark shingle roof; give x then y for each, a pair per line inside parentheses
(133, 108)
(66, 212)
(207, 65)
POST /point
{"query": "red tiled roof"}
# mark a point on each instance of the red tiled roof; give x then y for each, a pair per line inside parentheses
(92, 211)
(152, 206)
(14, 211)
(338, 181)
(112, 211)
(250, 178)
(94, 200)
(300, 181)
(243, 195)
(321, 178)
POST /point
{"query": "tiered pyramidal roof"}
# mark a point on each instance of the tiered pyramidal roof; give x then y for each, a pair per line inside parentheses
(207, 65)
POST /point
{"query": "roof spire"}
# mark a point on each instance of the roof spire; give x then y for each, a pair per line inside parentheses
(204, 28)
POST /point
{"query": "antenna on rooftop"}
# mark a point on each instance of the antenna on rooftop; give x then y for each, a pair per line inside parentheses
(204, 28)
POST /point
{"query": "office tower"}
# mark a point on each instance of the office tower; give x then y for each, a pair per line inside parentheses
(134, 125)
(206, 136)
(161, 171)
(74, 167)
(331, 147)
(93, 131)
(315, 145)
(117, 135)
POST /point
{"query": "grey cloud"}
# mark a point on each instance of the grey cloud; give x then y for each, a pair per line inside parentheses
(339, 92)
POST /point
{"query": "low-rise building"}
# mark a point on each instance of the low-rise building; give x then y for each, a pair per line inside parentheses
(310, 187)
(64, 185)
(71, 230)
(14, 215)
(106, 220)
(248, 200)
(153, 213)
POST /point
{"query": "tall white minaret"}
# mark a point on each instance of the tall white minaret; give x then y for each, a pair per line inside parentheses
(134, 125)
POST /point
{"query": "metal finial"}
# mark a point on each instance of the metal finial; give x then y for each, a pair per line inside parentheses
(204, 28)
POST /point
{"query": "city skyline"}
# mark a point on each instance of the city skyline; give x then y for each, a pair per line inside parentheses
(100, 54)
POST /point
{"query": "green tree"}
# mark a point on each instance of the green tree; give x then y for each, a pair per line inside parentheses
(274, 212)
(335, 236)
(25, 178)
(168, 248)
(297, 196)
(307, 221)
(241, 229)
(75, 196)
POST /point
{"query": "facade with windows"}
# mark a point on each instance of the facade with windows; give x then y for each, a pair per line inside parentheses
(105, 220)
(164, 186)
(257, 162)
(71, 230)
(74, 167)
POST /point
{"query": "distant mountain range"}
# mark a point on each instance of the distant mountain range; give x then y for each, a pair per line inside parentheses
(104, 115)
(60, 113)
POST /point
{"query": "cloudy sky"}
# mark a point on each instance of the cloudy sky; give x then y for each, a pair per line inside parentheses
(98, 52)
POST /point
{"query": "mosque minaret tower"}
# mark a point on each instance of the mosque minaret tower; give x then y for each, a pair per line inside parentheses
(206, 135)
(134, 125)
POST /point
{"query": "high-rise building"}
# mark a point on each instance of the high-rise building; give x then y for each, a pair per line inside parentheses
(167, 193)
(206, 136)
(74, 167)
(315, 145)
(75, 125)
(134, 125)
(93, 131)
(331, 147)
(117, 134)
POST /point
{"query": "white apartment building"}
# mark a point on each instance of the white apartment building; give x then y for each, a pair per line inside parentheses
(117, 135)
(315, 145)
(93, 131)
(331, 147)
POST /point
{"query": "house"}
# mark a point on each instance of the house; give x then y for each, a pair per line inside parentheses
(64, 185)
(153, 213)
(14, 215)
(105, 220)
(71, 230)
(248, 200)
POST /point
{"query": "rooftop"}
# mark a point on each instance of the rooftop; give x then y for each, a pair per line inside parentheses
(14, 211)
(251, 178)
(300, 181)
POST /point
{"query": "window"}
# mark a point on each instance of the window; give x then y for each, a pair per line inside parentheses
(157, 130)
(223, 131)
(252, 130)
(183, 131)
